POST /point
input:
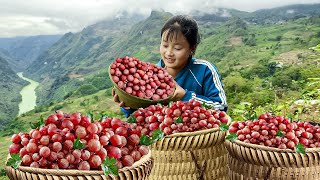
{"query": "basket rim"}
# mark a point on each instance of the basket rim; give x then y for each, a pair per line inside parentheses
(195, 133)
(135, 97)
(144, 159)
(267, 148)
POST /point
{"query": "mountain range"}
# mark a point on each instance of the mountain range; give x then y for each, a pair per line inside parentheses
(63, 64)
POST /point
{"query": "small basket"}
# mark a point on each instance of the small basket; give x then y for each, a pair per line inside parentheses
(191, 155)
(140, 170)
(134, 101)
(251, 161)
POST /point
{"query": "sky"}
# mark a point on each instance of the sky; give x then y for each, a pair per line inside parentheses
(43, 17)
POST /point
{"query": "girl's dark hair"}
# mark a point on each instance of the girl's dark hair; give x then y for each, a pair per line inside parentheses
(184, 24)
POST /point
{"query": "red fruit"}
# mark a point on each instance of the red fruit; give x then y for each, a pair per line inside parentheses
(115, 140)
(16, 138)
(93, 145)
(84, 165)
(133, 140)
(115, 123)
(127, 160)
(143, 150)
(95, 161)
(114, 152)
(44, 152)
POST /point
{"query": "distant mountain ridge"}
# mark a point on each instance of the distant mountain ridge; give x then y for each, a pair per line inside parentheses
(96, 46)
(24, 50)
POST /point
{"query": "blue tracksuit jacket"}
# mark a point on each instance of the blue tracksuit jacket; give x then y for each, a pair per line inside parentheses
(202, 82)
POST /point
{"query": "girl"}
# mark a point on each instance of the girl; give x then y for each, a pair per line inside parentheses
(195, 79)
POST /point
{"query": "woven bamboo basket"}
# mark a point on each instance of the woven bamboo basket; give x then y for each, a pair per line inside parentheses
(140, 170)
(190, 155)
(134, 101)
(251, 161)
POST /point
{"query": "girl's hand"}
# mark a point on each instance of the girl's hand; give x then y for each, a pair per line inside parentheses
(178, 93)
(116, 99)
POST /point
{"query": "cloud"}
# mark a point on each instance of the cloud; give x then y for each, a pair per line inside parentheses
(34, 17)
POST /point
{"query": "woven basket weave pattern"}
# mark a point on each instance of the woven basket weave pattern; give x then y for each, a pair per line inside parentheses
(249, 161)
(173, 159)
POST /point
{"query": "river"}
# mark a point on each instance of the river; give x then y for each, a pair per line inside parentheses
(28, 94)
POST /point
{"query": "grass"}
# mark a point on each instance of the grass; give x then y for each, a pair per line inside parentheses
(4, 145)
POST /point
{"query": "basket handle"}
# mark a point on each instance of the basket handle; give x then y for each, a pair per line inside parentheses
(201, 169)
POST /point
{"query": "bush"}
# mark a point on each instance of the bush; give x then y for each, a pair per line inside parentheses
(86, 89)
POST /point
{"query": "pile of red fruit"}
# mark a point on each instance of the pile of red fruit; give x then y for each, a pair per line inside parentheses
(71, 141)
(141, 79)
(179, 116)
(277, 131)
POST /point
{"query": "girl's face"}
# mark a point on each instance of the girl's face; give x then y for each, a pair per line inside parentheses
(175, 51)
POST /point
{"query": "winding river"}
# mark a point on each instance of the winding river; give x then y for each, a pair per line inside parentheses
(28, 94)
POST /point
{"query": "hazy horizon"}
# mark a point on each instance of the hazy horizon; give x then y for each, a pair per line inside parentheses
(36, 17)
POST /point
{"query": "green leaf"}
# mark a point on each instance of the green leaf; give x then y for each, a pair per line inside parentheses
(14, 161)
(204, 105)
(279, 133)
(77, 144)
(300, 148)
(38, 124)
(3, 172)
(232, 137)
(109, 166)
(132, 119)
(290, 117)
(157, 135)
(90, 116)
(178, 120)
(145, 140)
(103, 116)
(254, 116)
(171, 102)
(224, 127)
(159, 104)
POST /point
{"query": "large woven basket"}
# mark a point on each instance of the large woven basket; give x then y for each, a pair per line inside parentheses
(140, 170)
(190, 155)
(250, 161)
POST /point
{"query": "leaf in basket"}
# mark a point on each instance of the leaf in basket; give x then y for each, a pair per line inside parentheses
(171, 102)
(224, 127)
(145, 140)
(157, 135)
(103, 116)
(131, 119)
(204, 105)
(290, 117)
(300, 148)
(178, 120)
(254, 116)
(159, 104)
(232, 137)
(90, 116)
(77, 144)
(3, 172)
(108, 166)
(279, 133)
(14, 161)
(38, 124)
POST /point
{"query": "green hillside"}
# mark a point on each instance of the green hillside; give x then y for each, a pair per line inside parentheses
(235, 46)
(265, 66)
(10, 86)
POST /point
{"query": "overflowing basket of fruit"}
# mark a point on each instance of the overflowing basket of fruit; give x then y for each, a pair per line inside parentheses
(273, 147)
(72, 146)
(140, 84)
(192, 146)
